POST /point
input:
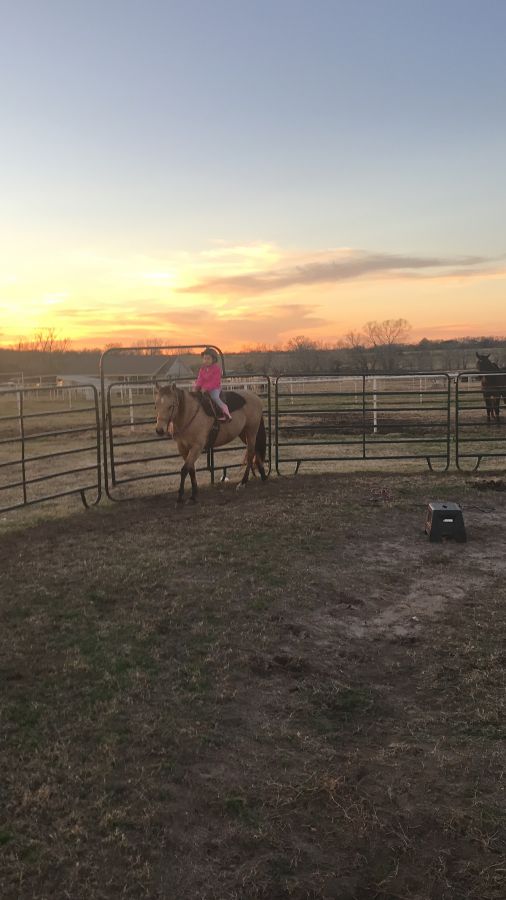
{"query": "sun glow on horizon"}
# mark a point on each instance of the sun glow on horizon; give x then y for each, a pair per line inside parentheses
(237, 294)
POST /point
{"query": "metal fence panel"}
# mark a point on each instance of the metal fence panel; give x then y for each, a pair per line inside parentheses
(337, 418)
(49, 445)
(478, 437)
(51, 437)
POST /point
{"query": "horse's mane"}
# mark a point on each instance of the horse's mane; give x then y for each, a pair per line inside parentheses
(485, 364)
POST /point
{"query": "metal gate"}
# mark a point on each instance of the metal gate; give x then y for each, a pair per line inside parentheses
(128, 418)
(41, 430)
(134, 454)
(477, 438)
(331, 418)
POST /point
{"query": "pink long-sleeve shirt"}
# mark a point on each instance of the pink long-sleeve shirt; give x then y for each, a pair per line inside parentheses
(209, 378)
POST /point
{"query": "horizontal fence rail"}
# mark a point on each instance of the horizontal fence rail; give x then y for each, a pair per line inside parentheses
(480, 435)
(323, 419)
(50, 445)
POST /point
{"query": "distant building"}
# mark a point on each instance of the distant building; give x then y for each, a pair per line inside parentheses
(176, 370)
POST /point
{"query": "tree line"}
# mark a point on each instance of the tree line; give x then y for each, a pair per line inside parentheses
(380, 346)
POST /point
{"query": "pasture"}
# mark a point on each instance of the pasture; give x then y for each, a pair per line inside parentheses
(283, 693)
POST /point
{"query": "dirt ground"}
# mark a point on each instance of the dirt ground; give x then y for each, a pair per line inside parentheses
(286, 692)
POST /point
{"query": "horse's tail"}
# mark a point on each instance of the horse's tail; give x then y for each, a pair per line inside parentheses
(260, 443)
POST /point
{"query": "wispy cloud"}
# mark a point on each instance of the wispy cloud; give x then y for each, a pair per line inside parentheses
(344, 267)
(246, 325)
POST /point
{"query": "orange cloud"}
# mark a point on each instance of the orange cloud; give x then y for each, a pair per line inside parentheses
(356, 265)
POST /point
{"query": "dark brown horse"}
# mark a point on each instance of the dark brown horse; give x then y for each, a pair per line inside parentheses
(493, 386)
(194, 423)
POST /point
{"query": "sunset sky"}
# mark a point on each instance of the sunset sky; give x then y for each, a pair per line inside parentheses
(244, 171)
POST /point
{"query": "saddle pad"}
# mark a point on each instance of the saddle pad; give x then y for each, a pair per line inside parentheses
(232, 399)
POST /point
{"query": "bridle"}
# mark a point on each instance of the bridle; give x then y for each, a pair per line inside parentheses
(173, 413)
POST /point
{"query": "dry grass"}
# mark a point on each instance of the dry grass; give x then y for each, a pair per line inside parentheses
(287, 693)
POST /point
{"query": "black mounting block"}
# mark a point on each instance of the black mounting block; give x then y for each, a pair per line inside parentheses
(445, 520)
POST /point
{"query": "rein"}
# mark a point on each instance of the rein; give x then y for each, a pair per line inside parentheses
(178, 433)
(175, 411)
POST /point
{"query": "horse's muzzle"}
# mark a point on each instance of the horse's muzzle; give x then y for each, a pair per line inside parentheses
(160, 432)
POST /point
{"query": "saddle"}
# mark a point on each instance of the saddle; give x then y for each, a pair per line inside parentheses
(233, 400)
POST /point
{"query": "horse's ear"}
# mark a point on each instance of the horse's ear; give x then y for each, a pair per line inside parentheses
(157, 387)
(173, 386)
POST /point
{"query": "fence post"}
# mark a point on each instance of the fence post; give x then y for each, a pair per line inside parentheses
(375, 407)
(130, 400)
(22, 436)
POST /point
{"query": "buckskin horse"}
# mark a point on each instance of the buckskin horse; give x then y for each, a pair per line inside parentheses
(493, 386)
(196, 427)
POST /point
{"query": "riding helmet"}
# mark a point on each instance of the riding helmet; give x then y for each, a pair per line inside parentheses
(210, 352)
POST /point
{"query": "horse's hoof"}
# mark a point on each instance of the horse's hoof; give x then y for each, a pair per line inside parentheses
(240, 486)
(179, 502)
(193, 500)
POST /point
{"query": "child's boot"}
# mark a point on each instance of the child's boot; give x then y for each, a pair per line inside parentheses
(226, 413)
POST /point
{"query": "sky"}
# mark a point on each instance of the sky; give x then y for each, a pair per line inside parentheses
(244, 171)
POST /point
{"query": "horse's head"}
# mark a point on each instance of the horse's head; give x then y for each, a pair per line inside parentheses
(166, 404)
(484, 363)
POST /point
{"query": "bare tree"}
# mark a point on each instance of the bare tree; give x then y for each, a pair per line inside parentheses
(388, 333)
(301, 342)
(354, 339)
(305, 354)
(386, 338)
(357, 355)
(260, 358)
(45, 340)
(151, 346)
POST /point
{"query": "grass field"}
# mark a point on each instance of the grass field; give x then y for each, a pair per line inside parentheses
(286, 692)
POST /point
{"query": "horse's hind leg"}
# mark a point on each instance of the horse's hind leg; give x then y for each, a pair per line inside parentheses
(250, 453)
(244, 480)
(261, 469)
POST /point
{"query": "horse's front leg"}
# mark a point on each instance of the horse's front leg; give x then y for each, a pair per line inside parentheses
(189, 469)
(180, 493)
(195, 488)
